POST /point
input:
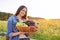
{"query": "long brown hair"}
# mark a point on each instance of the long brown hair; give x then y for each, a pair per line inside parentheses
(19, 9)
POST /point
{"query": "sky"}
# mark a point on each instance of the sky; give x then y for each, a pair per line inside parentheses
(49, 9)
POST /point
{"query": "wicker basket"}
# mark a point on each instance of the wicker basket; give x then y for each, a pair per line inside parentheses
(26, 29)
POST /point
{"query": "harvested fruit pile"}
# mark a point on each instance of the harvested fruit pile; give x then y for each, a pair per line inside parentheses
(27, 26)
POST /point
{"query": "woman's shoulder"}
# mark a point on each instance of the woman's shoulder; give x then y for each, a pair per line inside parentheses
(11, 18)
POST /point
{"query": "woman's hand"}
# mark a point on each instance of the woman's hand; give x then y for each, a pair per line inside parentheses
(18, 33)
(23, 33)
(34, 28)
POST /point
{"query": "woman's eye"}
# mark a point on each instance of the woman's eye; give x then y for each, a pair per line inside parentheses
(22, 10)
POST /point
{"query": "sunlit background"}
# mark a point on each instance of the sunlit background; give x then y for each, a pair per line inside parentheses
(49, 9)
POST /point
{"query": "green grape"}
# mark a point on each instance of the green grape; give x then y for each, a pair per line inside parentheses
(21, 24)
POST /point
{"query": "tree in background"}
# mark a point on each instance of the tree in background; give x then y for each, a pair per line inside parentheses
(4, 15)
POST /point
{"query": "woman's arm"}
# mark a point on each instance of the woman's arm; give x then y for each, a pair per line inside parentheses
(18, 33)
(9, 29)
(10, 26)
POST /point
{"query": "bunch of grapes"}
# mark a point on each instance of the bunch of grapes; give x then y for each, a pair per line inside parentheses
(30, 23)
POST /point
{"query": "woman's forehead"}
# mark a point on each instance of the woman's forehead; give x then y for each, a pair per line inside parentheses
(24, 9)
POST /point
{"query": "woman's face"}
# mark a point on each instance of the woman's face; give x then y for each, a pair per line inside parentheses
(23, 12)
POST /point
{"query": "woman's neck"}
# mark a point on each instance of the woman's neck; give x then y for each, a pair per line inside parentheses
(19, 17)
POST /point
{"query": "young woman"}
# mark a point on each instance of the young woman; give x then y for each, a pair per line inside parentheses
(12, 32)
